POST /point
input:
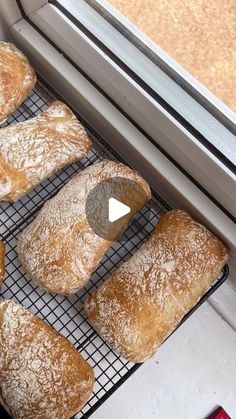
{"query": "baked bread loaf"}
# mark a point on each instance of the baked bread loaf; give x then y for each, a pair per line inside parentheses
(2, 262)
(17, 79)
(33, 150)
(42, 376)
(136, 309)
(59, 250)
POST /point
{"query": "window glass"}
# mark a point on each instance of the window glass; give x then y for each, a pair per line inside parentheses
(199, 34)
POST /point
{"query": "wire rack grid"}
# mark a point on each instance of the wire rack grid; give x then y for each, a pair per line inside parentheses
(67, 315)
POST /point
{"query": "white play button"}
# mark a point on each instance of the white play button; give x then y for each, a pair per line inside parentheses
(111, 204)
(117, 210)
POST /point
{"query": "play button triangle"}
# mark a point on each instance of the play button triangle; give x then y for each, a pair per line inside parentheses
(117, 210)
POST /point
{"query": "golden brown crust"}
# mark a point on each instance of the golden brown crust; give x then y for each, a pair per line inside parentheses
(59, 250)
(33, 150)
(17, 79)
(2, 262)
(145, 299)
(42, 376)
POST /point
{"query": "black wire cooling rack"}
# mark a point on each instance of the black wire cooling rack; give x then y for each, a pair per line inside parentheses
(67, 315)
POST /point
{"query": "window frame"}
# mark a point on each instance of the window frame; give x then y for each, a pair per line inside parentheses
(195, 88)
(155, 81)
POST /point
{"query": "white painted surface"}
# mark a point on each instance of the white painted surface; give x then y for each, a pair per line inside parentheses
(9, 12)
(224, 301)
(32, 6)
(193, 372)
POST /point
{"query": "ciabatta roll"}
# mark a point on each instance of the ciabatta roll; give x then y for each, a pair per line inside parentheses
(17, 79)
(147, 296)
(33, 150)
(41, 373)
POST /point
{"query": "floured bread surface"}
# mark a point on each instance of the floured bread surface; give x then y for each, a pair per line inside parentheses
(33, 150)
(42, 376)
(2, 262)
(145, 299)
(17, 79)
(59, 250)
